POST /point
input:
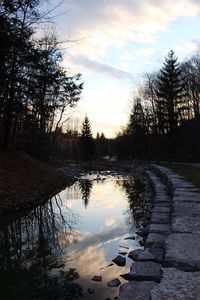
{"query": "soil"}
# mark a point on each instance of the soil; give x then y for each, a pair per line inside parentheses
(25, 182)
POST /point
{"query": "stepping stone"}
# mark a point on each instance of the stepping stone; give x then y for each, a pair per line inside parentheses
(159, 228)
(186, 224)
(144, 271)
(134, 254)
(136, 290)
(182, 251)
(151, 254)
(114, 283)
(161, 209)
(177, 285)
(155, 240)
(119, 260)
(97, 278)
(159, 218)
(186, 209)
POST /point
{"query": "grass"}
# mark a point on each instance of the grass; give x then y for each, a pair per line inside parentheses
(188, 172)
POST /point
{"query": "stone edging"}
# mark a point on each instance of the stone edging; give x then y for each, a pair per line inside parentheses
(172, 246)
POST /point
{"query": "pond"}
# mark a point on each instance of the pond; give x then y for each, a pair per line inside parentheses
(55, 250)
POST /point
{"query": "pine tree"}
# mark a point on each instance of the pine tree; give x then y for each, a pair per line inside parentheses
(170, 92)
(86, 140)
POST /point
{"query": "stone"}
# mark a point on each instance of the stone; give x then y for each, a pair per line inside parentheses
(122, 253)
(150, 271)
(130, 238)
(114, 283)
(160, 228)
(91, 291)
(136, 290)
(142, 232)
(186, 224)
(155, 240)
(161, 209)
(186, 209)
(134, 254)
(151, 254)
(119, 260)
(182, 251)
(177, 285)
(97, 278)
(158, 218)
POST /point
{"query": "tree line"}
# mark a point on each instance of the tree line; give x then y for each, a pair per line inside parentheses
(35, 89)
(164, 121)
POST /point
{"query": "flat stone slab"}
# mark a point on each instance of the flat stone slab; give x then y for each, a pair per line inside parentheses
(182, 251)
(177, 285)
(158, 218)
(159, 228)
(186, 224)
(155, 240)
(150, 271)
(139, 290)
(186, 209)
(161, 209)
(151, 254)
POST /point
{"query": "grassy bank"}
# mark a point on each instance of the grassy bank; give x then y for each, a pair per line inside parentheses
(188, 172)
(24, 181)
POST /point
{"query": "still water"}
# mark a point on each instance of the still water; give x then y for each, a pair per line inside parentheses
(54, 250)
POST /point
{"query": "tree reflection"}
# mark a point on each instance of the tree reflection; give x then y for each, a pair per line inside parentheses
(134, 189)
(30, 254)
(85, 187)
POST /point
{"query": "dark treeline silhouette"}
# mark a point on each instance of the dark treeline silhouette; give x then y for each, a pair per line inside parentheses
(164, 122)
(35, 89)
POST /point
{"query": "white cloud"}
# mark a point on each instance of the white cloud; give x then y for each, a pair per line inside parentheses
(104, 23)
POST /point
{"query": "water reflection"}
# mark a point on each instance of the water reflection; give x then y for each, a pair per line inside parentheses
(85, 187)
(54, 250)
(30, 248)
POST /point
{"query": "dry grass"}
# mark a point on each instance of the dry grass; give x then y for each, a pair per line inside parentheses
(188, 172)
(24, 180)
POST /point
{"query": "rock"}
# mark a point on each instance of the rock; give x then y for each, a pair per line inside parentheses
(114, 283)
(138, 214)
(177, 285)
(155, 240)
(91, 291)
(185, 224)
(122, 253)
(119, 260)
(186, 209)
(158, 218)
(134, 254)
(151, 255)
(142, 232)
(125, 247)
(136, 290)
(97, 278)
(159, 228)
(182, 250)
(150, 271)
(142, 243)
(130, 238)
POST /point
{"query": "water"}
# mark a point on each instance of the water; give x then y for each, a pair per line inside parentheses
(54, 250)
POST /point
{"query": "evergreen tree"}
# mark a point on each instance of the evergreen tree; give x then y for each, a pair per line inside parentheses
(170, 92)
(86, 140)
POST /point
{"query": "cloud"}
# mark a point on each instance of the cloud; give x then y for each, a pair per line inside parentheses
(102, 68)
(101, 24)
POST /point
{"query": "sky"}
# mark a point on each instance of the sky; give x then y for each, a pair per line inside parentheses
(113, 43)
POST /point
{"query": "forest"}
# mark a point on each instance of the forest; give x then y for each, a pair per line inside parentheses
(36, 91)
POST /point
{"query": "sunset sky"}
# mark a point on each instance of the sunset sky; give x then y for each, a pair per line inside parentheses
(116, 42)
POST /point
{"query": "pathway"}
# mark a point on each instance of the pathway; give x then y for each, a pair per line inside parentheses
(169, 266)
